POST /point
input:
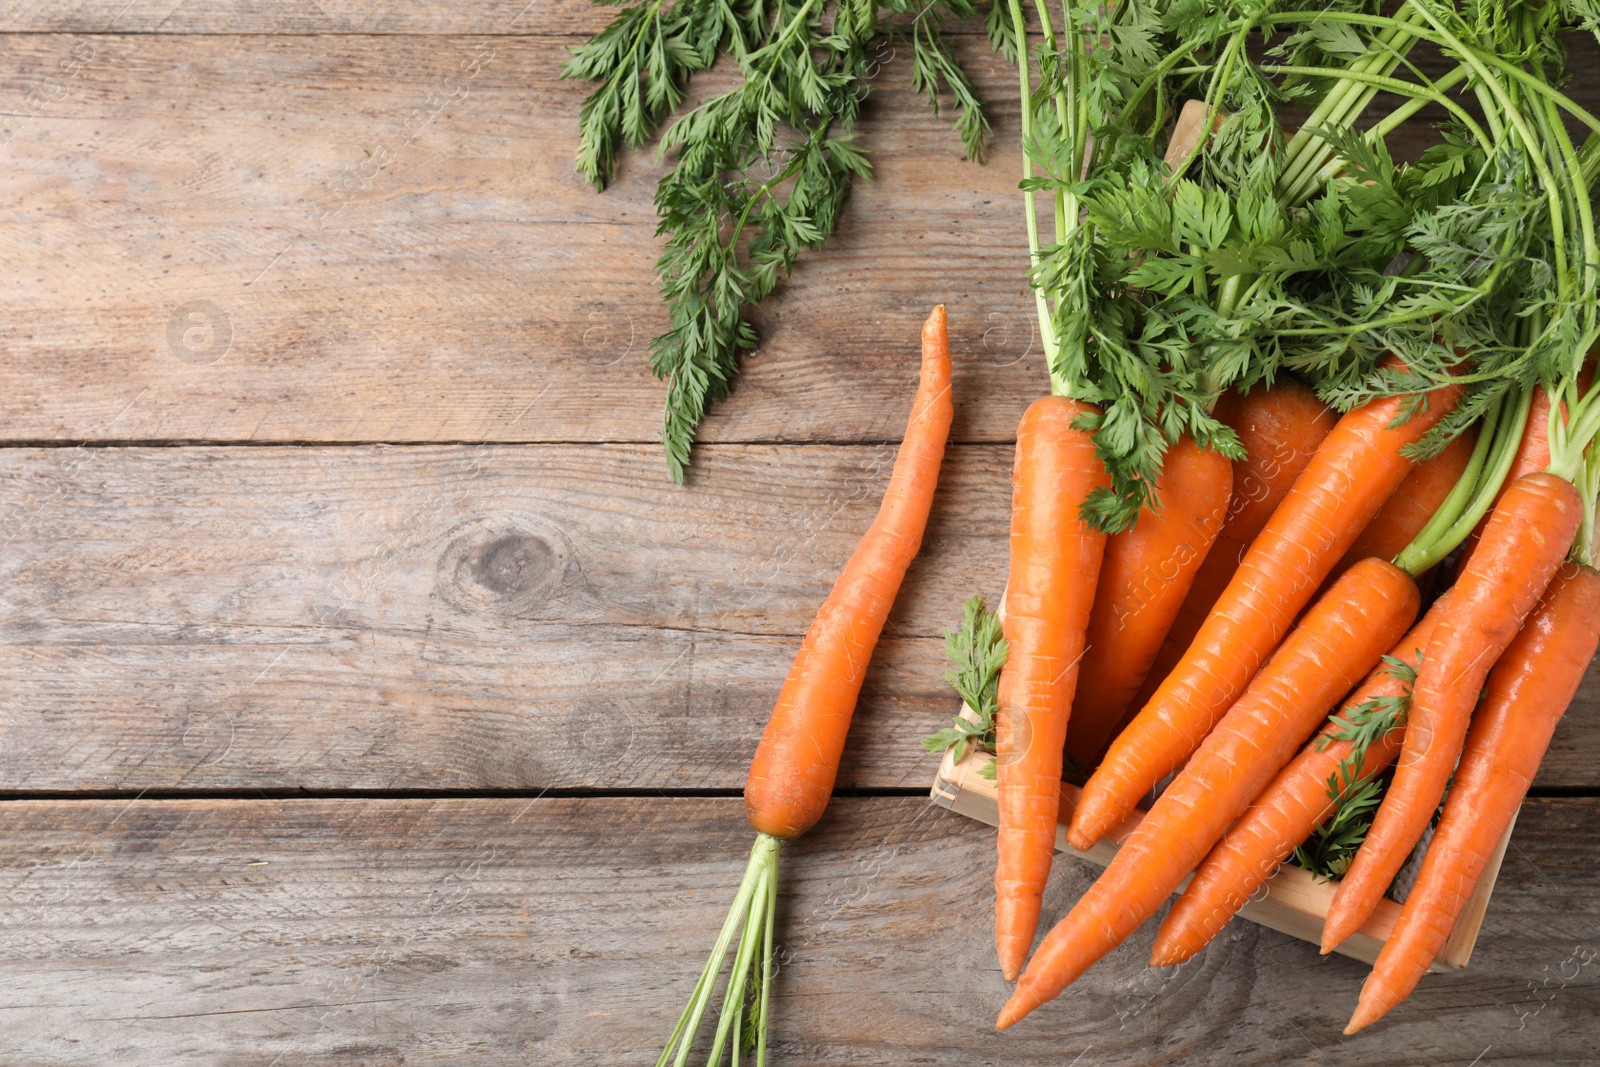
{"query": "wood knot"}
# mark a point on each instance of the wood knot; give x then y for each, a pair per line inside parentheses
(503, 568)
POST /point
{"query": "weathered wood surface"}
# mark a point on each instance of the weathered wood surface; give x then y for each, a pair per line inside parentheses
(568, 932)
(467, 617)
(403, 252)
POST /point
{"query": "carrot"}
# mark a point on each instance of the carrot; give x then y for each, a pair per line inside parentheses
(1528, 691)
(1146, 574)
(1055, 565)
(1528, 534)
(791, 777)
(1355, 470)
(1533, 451)
(1284, 815)
(1405, 514)
(1340, 639)
(1280, 429)
(792, 774)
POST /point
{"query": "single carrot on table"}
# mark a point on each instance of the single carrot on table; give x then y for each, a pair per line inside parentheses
(1055, 564)
(1286, 812)
(1356, 469)
(1528, 691)
(1528, 535)
(1147, 571)
(1279, 429)
(792, 775)
(1341, 637)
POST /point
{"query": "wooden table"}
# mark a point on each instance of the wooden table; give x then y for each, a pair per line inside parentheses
(369, 695)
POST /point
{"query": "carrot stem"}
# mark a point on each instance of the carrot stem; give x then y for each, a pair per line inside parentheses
(1476, 491)
(753, 905)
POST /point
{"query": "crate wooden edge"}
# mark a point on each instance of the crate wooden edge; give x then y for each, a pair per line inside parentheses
(1291, 902)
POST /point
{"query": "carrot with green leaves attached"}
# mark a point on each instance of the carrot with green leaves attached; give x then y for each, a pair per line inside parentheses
(1055, 565)
(1358, 466)
(792, 775)
(1343, 635)
(1146, 574)
(1528, 691)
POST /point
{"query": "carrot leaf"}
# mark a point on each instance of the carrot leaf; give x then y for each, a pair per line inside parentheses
(1328, 852)
(978, 651)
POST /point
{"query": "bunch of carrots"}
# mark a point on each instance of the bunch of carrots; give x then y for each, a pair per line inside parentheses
(1302, 539)
(1217, 583)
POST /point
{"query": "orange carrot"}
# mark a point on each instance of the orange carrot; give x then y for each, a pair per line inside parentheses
(792, 774)
(1284, 815)
(791, 777)
(1358, 467)
(1340, 639)
(1280, 429)
(1533, 451)
(1405, 514)
(1146, 574)
(1055, 565)
(1527, 537)
(1528, 691)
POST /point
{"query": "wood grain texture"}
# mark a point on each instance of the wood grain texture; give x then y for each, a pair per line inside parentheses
(468, 617)
(501, 932)
(403, 252)
(452, 617)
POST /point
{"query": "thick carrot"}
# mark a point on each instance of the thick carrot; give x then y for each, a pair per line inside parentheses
(1284, 815)
(1337, 642)
(1527, 537)
(1528, 691)
(1055, 565)
(792, 775)
(1146, 574)
(1404, 515)
(1357, 468)
(1280, 429)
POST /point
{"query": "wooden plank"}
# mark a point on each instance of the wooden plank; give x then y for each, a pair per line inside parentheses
(324, 239)
(289, 17)
(468, 617)
(568, 931)
(452, 617)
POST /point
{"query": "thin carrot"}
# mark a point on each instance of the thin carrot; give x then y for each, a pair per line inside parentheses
(1533, 451)
(1055, 565)
(1338, 641)
(1528, 691)
(1145, 576)
(1404, 515)
(1284, 815)
(1357, 468)
(1280, 429)
(1528, 534)
(792, 774)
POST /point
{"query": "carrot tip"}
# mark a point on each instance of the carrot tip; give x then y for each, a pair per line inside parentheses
(1008, 1015)
(1365, 1015)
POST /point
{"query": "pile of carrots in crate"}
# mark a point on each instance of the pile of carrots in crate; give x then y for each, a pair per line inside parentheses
(1217, 585)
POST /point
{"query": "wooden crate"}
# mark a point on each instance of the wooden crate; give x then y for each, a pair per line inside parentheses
(1292, 901)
